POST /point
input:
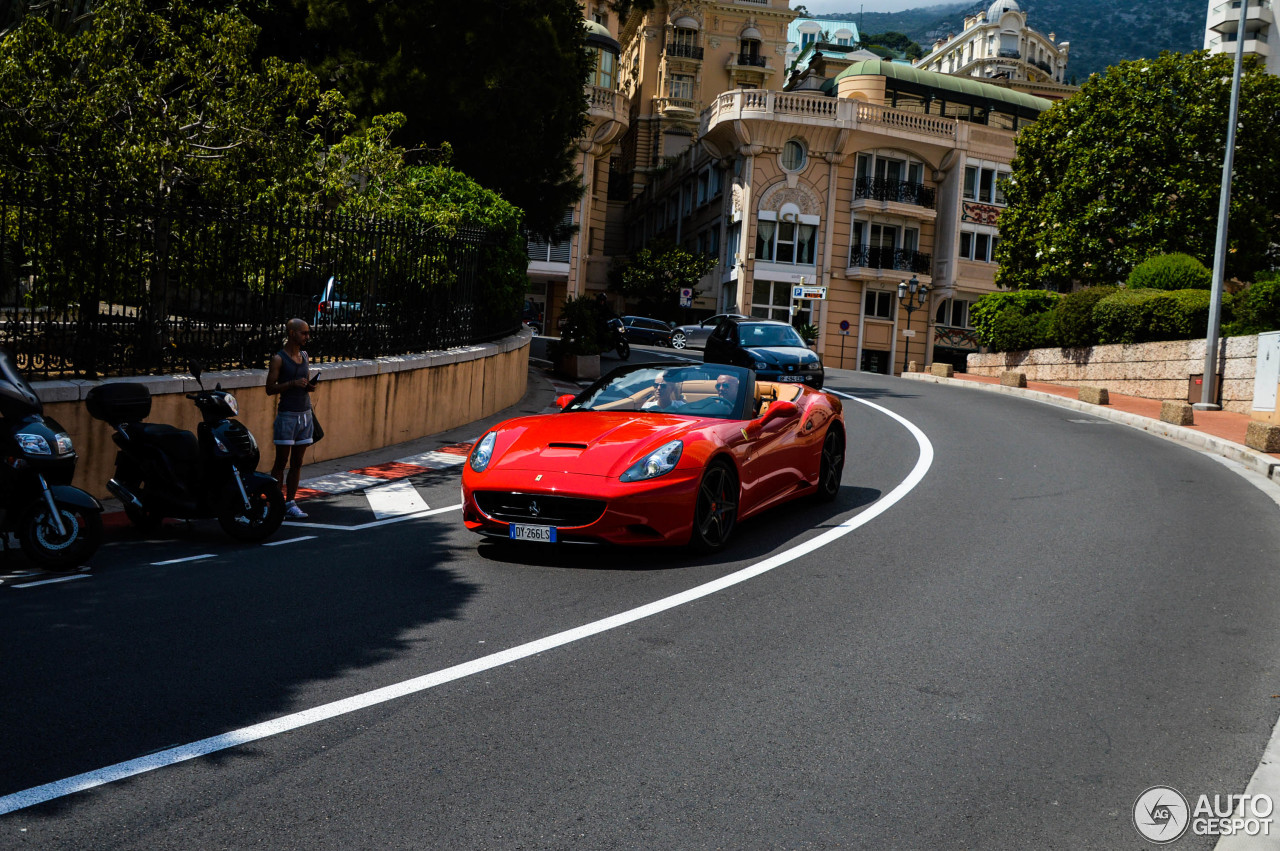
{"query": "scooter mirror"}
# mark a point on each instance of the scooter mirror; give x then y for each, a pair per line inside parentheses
(195, 368)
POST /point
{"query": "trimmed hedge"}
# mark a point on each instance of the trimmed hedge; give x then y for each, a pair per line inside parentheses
(1255, 309)
(1148, 316)
(1170, 272)
(1013, 321)
(1074, 325)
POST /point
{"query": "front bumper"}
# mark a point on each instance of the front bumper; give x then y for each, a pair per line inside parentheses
(656, 512)
(808, 379)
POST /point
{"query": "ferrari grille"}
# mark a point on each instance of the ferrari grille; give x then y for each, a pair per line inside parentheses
(540, 508)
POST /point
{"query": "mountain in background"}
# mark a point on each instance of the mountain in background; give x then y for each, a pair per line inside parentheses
(1101, 33)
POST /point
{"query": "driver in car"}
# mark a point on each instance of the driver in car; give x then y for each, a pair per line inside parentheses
(667, 398)
(727, 388)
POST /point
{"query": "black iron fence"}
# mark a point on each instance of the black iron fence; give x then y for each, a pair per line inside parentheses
(92, 288)
(899, 259)
(901, 191)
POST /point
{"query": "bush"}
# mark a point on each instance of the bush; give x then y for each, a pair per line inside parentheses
(1074, 325)
(1255, 309)
(1147, 316)
(1170, 272)
(1013, 321)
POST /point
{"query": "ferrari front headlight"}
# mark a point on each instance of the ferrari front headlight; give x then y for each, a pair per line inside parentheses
(483, 453)
(657, 463)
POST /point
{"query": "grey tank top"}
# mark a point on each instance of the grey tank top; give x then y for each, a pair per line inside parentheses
(293, 399)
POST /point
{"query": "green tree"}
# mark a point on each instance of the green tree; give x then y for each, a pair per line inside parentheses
(657, 273)
(1131, 167)
(152, 100)
(501, 81)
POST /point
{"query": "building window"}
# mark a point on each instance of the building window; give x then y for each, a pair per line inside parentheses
(731, 243)
(685, 40)
(879, 304)
(786, 242)
(680, 86)
(807, 39)
(772, 300)
(606, 69)
(793, 155)
(978, 245)
(953, 313)
(983, 184)
(704, 180)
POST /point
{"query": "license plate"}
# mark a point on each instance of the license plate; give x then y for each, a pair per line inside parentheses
(792, 378)
(541, 534)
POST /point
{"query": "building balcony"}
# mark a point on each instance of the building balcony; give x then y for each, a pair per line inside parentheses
(889, 259)
(750, 60)
(676, 107)
(893, 191)
(762, 104)
(1255, 43)
(1008, 53)
(1225, 17)
(684, 51)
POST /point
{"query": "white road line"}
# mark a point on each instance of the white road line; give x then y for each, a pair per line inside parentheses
(289, 541)
(395, 499)
(373, 523)
(51, 581)
(172, 756)
(181, 560)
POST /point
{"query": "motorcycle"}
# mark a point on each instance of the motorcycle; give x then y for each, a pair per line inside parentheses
(58, 526)
(615, 336)
(163, 471)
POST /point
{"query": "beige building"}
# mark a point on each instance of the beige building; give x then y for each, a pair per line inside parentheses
(858, 179)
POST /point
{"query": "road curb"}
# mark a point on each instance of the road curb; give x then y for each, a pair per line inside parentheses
(1258, 462)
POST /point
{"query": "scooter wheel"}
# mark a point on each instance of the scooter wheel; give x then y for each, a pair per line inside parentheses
(47, 549)
(624, 350)
(263, 517)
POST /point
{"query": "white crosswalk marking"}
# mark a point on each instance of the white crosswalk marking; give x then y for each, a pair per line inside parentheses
(395, 499)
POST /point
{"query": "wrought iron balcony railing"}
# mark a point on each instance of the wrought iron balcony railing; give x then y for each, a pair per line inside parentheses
(902, 191)
(684, 51)
(1009, 53)
(899, 259)
(753, 60)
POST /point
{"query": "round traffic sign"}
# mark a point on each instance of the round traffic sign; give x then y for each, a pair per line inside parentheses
(844, 324)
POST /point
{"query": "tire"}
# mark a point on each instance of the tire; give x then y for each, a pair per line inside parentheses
(265, 514)
(831, 465)
(624, 349)
(678, 340)
(715, 513)
(47, 549)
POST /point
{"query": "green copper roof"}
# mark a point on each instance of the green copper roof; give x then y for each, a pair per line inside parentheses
(970, 86)
(598, 34)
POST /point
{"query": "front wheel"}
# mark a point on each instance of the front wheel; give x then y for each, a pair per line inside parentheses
(624, 349)
(261, 519)
(678, 340)
(715, 514)
(46, 548)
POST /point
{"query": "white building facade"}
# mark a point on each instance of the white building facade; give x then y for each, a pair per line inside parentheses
(999, 47)
(1222, 30)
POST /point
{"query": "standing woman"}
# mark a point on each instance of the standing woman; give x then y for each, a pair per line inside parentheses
(288, 377)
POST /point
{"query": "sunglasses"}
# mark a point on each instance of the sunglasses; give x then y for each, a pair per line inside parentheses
(723, 385)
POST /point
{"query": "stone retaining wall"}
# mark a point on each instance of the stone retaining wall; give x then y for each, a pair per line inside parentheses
(363, 405)
(1147, 370)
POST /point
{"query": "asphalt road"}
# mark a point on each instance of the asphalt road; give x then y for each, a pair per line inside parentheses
(1059, 614)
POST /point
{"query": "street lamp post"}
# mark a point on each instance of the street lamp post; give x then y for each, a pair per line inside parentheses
(912, 296)
(1209, 386)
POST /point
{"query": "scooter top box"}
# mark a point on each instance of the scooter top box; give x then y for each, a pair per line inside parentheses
(119, 402)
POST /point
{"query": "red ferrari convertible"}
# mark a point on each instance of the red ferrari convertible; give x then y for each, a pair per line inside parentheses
(655, 454)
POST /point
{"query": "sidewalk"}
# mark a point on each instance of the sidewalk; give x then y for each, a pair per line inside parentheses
(1220, 432)
(391, 463)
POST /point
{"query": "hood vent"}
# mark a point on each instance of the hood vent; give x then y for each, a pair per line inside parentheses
(566, 446)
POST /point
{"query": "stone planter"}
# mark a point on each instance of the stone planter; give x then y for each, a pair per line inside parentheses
(579, 366)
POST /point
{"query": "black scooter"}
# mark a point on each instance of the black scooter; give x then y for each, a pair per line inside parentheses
(615, 336)
(163, 471)
(59, 526)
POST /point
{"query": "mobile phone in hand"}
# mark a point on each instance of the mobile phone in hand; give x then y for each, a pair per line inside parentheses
(314, 378)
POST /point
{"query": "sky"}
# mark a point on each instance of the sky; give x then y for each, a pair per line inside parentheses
(826, 7)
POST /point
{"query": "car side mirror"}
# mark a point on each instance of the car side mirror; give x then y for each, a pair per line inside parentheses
(562, 402)
(780, 410)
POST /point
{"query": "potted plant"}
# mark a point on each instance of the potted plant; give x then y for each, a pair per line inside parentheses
(808, 333)
(577, 353)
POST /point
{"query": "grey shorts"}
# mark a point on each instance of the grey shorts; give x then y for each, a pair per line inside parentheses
(292, 428)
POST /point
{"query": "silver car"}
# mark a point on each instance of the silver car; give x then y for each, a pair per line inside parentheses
(695, 336)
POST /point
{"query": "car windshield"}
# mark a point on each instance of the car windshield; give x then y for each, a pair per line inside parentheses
(768, 335)
(716, 391)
